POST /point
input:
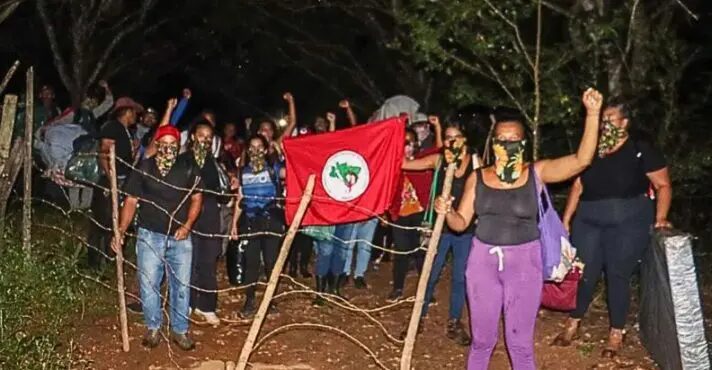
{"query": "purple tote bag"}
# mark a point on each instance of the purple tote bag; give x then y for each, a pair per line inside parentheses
(553, 236)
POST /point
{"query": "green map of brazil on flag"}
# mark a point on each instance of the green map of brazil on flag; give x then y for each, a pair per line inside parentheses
(357, 172)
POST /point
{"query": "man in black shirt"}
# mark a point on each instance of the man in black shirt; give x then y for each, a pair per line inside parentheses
(169, 208)
(114, 132)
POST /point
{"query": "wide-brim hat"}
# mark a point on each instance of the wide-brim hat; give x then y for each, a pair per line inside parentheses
(126, 102)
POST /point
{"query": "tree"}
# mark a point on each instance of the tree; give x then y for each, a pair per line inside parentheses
(538, 56)
(84, 37)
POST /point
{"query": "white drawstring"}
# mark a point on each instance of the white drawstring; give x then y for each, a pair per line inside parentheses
(500, 254)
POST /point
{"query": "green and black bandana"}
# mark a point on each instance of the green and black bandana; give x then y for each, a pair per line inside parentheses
(610, 136)
(201, 150)
(509, 159)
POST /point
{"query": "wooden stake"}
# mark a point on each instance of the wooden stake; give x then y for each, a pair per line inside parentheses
(119, 255)
(8, 76)
(9, 110)
(7, 179)
(27, 196)
(274, 278)
(407, 354)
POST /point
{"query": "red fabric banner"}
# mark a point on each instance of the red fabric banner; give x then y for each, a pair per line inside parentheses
(357, 172)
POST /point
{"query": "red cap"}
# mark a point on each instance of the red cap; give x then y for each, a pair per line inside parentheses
(167, 130)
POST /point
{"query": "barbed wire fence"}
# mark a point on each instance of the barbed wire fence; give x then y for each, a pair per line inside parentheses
(253, 340)
(19, 155)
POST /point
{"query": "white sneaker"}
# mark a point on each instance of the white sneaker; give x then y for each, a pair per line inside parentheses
(209, 317)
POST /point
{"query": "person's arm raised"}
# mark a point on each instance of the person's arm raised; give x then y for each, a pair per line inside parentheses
(331, 118)
(170, 107)
(180, 108)
(560, 169)
(291, 118)
(458, 220)
(108, 102)
(435, 121)
(346, 105)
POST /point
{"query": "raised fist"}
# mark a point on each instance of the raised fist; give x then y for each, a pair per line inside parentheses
(592, 100)
(172, 102)
(434, 120)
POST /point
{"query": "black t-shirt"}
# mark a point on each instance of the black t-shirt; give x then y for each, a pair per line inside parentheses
(209, 220)
(113, 130)
(457, 190)
(183, 174)
(622, 174)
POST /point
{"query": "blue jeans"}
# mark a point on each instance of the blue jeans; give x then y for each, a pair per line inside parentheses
(331, 253)
(460, 245)
(363, 232)
(152, 249)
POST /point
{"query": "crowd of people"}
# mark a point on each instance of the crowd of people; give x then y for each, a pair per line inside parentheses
(195, 191)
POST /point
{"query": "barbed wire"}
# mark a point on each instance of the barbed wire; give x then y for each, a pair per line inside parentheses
(170, 274)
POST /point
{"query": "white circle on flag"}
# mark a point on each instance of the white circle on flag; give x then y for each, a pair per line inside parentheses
(345, 176)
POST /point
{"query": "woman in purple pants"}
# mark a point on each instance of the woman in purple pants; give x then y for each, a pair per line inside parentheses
(504, 271)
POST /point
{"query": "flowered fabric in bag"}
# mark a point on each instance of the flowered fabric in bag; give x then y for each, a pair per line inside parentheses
(557, 253)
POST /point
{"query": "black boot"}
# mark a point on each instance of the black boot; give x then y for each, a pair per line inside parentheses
(320, 288)
(249, 309)
(330, 283)
(340, 282)
(304, 270)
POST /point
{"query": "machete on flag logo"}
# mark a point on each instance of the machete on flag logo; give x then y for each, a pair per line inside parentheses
(357, 172)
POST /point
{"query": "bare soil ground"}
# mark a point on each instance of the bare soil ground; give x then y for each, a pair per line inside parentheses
(99, 337)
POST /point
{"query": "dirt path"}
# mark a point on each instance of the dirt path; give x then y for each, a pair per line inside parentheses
(99, 344)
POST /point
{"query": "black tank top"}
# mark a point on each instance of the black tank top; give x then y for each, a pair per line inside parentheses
(506, 217)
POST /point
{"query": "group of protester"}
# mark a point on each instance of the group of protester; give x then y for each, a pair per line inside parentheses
(186, 189)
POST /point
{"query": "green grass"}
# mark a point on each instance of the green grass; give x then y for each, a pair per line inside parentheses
(41, 295)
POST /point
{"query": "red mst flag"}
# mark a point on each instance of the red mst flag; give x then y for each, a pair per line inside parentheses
(357, 170)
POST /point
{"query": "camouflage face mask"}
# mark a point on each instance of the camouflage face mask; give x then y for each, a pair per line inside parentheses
(166, 156)
(610, 136)
(509, 159)
(257, 160)
(201, 150)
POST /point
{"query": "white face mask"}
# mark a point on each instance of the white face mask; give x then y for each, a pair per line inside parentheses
(422, 132)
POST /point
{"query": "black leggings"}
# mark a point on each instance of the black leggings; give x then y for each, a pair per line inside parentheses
(266, 246)
(206, 252)
(301, 252)
(611, 235)
(100, 232)
(406, 240)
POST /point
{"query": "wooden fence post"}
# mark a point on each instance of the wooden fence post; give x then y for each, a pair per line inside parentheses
(8, 76)
(27, 196)
(409, 345)
(119, 255)
(9, 111)
(274, 278)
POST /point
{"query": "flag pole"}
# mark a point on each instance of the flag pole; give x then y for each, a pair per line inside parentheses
(274, 277)
(409, 345)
